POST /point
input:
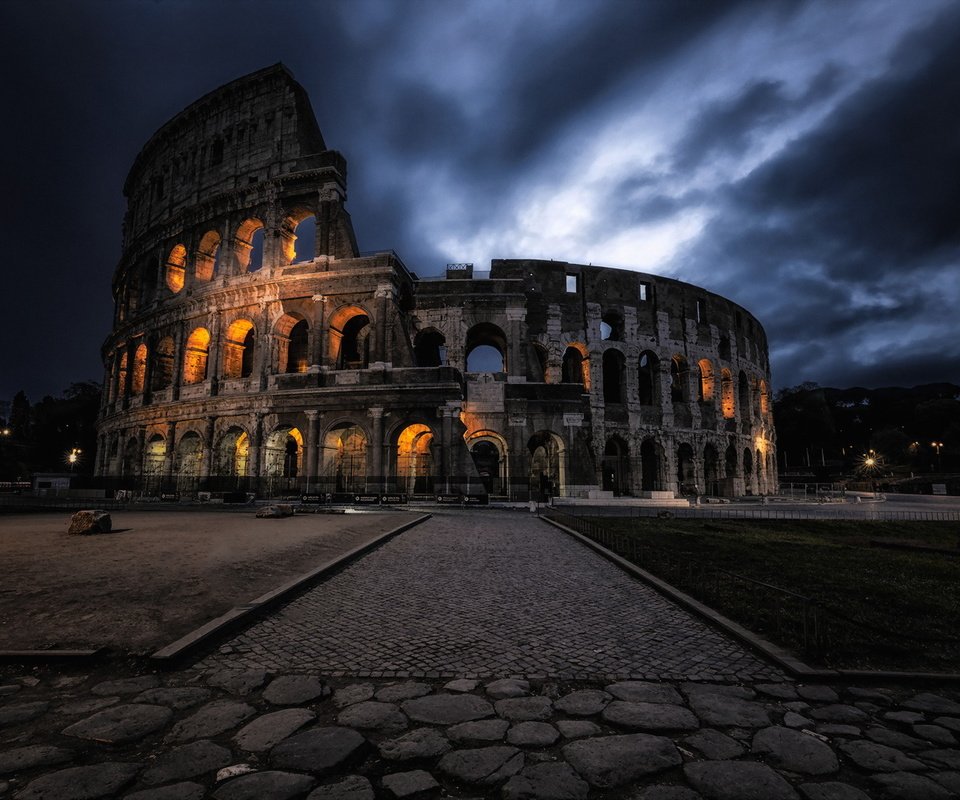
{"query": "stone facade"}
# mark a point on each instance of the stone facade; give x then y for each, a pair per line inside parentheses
(256, 348)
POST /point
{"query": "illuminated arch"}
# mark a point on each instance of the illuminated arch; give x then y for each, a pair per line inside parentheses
(176, 268)
(238, 349)
(208, 256)
(293, 343)
(298, 236)
(648, 378)
(415, 468)
(678, 379)
(283, 456)
(248, 245)
(233, 453)
(345, 457)
(488, 449)
(139, 374)
(727, 401)
(195, 356)
(575, 367)
(547, 464)
(162, 375)
(348, 339)
(706, 385)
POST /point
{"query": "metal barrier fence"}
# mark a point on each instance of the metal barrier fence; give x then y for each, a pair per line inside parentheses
(791, 619)
(868, 510)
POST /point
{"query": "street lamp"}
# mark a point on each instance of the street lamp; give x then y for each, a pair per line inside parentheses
(73, 457)
(937, 446)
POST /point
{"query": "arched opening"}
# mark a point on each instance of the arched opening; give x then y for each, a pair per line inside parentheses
(613, 367)
(743, 396)
(763, 398)
(293, 344)
(305, 240)
(176, 268)
(162, 375)
(616, 467)
(730, 467)
(139, 376)
(430, 348)
(575, 368)
(189, 457)
(155, 453)
(131, 459)
(248, 245)
(284, 453)
(487, 459)
(723, 349)
(547, 470)
(678, 379)
(759, 464)
(748, 470)
(611, 326)
(651, 465)
(195, 356)
(415, 459)
(648, 378)
(122, 375)
(711, 471)
(238, 349)
(486, 349)
(726, 394)
(345, 458)
(233, 454)
(208, 256)
(355, 344)
(686, 473)
(705, 389)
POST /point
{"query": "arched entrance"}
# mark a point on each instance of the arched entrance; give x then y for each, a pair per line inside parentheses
(155, 452)
(345, 459)
(651, 466)
(415, 459)
(686, 474)
(616, 467)
(189, 456)
(547, 470)
(711, 471)
(283, 459)
(233, 456)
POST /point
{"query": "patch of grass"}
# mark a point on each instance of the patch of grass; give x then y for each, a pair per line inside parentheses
(904, 604)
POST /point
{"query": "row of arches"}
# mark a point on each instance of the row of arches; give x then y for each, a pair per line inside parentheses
(297, 233)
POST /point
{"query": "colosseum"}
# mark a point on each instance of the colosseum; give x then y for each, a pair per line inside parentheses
(256, 349)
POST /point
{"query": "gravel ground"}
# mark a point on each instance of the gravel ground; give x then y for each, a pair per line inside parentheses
(158, 575)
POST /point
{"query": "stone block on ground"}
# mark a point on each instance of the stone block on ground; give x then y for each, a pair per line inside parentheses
(292, 690)
(409, 785)
(22, 712)
(175, 697)
(96, 780)
(447, 709)
(649, 716)
(905, 786)
(796, 752)
(275, 511)
(481, 730)
(270, 729)
(933, 703)
(644, 692)
(353, 787)
(237, 681)
(37, 755)
(738, 780)
(878, 758)
(185, 790)
(211, 720)
(583, 703)
(507, 687)
(831, 790)
(419, 743)
(532, 734)
(121, 724)
(714, 745)
(319, 750)
(577, 728)
(522, 709)
(486, 766)
(188, 761)
(396, 692)
(551, 781)
(609, 761)
(720, 707)
(271, 784)
(90, 521)
(373, 715)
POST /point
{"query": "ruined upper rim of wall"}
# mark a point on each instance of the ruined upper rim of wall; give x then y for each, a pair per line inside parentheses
(235, 147)
(253, 148)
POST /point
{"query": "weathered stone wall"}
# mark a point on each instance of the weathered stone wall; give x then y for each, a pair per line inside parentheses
(236, 363)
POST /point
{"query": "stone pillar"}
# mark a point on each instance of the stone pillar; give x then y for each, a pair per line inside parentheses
(256, 444)
(317, 329)
(178, 354)
(141, 440)
(515, 361)
(376, 452)
(206, 465)
(169, 455)
(215, 354)
(446, 435)
(310, 466)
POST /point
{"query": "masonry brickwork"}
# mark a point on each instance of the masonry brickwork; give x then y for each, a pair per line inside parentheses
(255, 348)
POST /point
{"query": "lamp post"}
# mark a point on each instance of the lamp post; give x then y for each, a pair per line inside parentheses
(936, 446)
(73, 457)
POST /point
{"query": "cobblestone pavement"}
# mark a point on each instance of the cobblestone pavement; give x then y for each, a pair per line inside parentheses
(249, 735)
(484, 594)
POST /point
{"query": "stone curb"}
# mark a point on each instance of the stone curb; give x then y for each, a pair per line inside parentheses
(172, 654)
(782, 658)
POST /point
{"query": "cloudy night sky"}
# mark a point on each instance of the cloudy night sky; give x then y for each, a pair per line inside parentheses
(800, 158)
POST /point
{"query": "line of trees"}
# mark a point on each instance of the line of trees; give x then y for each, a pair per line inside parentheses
(40, 437)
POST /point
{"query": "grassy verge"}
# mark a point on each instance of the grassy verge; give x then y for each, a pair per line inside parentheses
(878, 608)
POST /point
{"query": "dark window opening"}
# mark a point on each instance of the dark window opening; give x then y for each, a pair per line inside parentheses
(612, 376)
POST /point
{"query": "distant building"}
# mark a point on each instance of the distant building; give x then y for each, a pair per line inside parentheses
(256, 348)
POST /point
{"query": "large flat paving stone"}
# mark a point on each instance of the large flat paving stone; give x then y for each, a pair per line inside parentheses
(608, 761)
(126, 685)
(584, 703)
(237, 681)
(419, 743)
(185, 790)
(373, 715)
(81, 783)
(447, 709)
(522, 709)
(292, 690)
(211, 720)
(714, 745)
(354, 693)
(722, 707)
(22, 712)
(932, 703)
(414, 784)
(187, 761)
(546, 782)
(831, 790)
(486, 766)
(35, 755)
(397, 692)
(878, 758)
(906, 786)
(353, 787)
(319, 750)
(650, 716)
(507, 687)
(270, 729)
(176, 697)
(644, 692)
(738, 780)
(532, 734)
(121, 724)
(795, 751)
(269, 785)
(481, 730)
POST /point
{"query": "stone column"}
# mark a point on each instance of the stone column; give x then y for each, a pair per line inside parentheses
(178, 354)
(256, 443)
(317, 329)
(446, 435)
(310, 467)
(215, 354)
(168, 456)
(206, 465)
(141, 440)
(376, 452)
(515, 362)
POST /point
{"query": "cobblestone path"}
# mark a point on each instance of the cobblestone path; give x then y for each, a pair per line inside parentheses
(486, 594)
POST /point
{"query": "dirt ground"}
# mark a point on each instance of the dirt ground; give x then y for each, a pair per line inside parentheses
(158, 576)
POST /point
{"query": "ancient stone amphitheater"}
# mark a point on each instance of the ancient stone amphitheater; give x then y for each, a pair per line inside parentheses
(256, 349)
